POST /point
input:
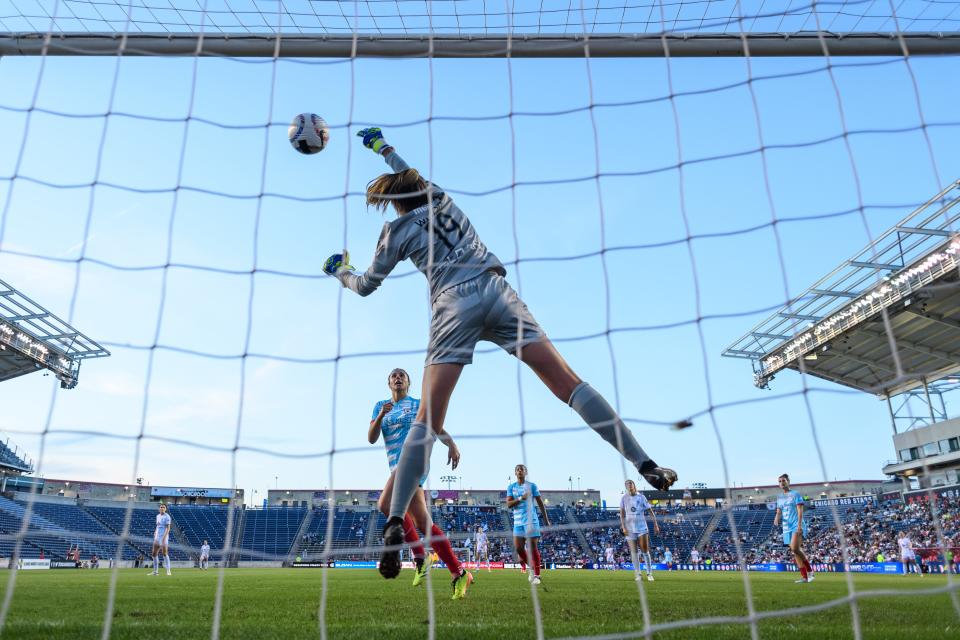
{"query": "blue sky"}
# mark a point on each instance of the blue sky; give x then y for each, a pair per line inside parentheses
(201, 202)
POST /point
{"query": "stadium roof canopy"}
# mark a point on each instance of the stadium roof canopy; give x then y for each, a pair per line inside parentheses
(32, 338)
(885, 321)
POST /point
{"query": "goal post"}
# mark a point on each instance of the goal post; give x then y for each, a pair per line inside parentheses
(680, 45)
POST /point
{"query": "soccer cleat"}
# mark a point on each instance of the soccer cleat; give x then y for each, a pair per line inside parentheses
(152, 573)
(810, 577)
(649, 577)
(423, 566)
(392, 539)
(461, 583)
(168, 572)
(535, 581)
(801, 580)
(659, 478)
(638, 578)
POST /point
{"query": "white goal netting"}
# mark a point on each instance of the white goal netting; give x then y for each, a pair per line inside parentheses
(656, 177)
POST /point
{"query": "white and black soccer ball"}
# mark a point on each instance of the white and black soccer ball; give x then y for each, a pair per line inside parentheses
(308, 133)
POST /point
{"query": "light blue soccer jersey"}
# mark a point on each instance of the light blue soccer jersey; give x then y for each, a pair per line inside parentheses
(668, 556)
(526, 512)
(789, 516)
(396, 424)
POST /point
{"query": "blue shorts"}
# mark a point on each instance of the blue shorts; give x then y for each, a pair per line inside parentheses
(526, 532)
(423, 480)
(788, 535)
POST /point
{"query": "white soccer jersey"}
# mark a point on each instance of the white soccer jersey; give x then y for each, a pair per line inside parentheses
(163, 525)
(205, 551)
(609, 552)
(695, 556)
(633, 510)
(906, 547)
(481, 540)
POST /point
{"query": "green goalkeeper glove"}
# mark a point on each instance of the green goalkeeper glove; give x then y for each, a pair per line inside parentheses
(336, 262)
(373, 139)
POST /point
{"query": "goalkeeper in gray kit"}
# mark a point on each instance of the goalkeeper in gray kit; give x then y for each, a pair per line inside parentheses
(471, 301)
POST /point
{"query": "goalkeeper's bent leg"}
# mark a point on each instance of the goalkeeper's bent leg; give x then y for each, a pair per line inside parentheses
(414, 458)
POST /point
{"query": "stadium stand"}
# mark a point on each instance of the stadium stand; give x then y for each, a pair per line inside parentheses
(753, 527)
(54, 530)
(9, 459)
(197, 524)
(277, 533)
(350, 529)
(140, 535)
(268, 534)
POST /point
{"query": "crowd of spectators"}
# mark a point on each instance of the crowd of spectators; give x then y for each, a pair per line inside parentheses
(870, 533)
(583, 534)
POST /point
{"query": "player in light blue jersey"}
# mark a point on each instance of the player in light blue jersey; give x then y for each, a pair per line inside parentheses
(161, 540)
(392, 419)
(526, 527)
(790, 506)
(470, 301)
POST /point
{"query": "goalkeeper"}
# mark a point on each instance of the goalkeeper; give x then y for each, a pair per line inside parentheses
(471, 301)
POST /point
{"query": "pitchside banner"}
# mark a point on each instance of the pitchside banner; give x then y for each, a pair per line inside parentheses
(845, 501)
(26, 564)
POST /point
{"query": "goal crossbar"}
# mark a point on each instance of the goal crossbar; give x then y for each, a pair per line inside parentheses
(482, 46)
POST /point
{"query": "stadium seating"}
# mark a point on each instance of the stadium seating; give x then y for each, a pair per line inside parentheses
(10, 459)
(268, 534)
(350, 531)
(143, 522)
(198, 523)
(271, 534)
(55, 529)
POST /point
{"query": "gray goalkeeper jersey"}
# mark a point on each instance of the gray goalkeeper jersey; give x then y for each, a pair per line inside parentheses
(458, 253)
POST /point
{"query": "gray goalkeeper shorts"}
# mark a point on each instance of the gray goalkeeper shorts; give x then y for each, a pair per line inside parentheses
(483, 308)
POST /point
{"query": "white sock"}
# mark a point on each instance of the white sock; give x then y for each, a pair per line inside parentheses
(166, 562)
(156, 564)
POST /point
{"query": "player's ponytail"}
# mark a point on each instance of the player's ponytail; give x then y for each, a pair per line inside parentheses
(405, 190)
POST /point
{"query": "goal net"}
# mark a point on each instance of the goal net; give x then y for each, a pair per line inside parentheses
(655, 176)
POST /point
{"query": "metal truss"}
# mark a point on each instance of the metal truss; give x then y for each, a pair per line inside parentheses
(32, 338)
(889, 272)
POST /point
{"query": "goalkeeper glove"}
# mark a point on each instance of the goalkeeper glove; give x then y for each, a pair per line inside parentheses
(336, 262)
(373, 139)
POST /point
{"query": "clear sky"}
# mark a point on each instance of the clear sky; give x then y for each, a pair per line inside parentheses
(196, 257)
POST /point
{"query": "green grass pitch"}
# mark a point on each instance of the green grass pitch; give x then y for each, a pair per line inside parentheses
(284, 604)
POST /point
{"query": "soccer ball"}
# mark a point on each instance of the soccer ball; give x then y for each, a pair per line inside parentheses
(308, 133)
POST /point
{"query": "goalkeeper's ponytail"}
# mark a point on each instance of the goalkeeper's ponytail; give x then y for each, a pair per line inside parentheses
(405, 190)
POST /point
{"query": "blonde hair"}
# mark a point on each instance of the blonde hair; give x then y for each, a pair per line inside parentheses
(405, 191)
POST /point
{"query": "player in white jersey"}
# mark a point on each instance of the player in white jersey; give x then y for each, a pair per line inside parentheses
(633, 524)
(907, 555)
(470, 301)
(161, 540)
(526, 527)
(695, 559)
(204, 555)
(608, 558)
(392, 419)
(482, 546)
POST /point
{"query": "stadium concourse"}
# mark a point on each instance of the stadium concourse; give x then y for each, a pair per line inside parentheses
(88, 523)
